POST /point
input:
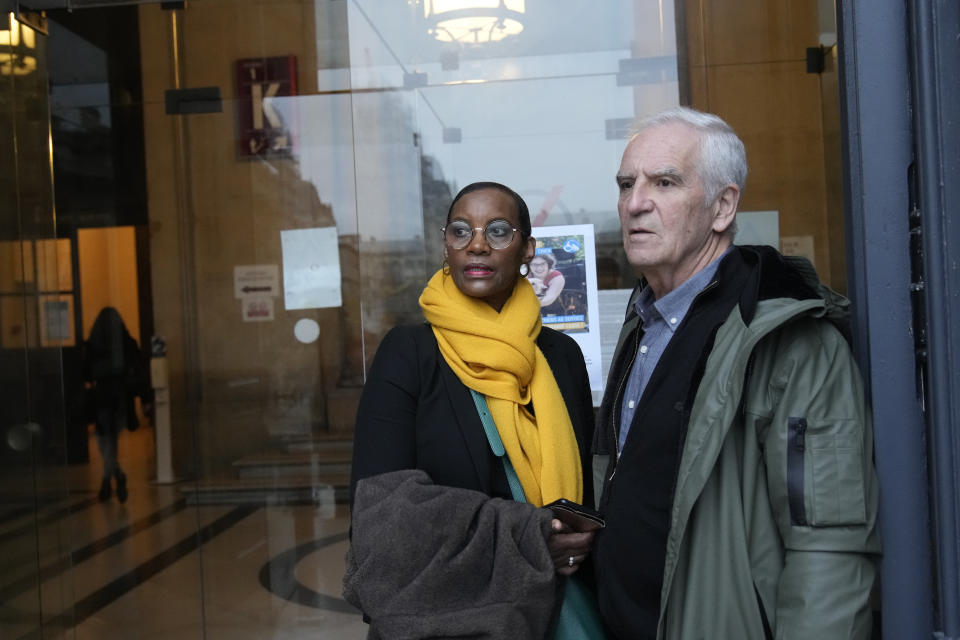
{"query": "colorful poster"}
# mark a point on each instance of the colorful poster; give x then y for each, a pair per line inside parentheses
(563, 273)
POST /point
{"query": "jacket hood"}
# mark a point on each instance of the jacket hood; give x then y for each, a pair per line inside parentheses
(778, 276)
(771, 277)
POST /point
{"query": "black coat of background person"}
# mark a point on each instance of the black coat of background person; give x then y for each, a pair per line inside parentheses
(416, 414)
(112, 360)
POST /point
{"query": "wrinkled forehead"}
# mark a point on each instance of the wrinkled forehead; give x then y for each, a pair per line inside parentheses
(672, 146)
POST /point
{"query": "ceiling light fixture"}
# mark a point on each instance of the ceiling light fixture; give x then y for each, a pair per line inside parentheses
(17, 43)
(474, 21)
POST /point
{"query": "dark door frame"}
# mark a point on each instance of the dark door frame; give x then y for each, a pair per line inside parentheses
(901, 155)
(935, 67)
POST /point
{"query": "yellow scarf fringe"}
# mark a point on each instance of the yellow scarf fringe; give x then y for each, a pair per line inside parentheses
(496, 355)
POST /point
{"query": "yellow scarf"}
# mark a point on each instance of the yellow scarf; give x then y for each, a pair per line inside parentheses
(496, 355)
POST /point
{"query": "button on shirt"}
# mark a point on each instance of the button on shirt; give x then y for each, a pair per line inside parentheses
(659, 319)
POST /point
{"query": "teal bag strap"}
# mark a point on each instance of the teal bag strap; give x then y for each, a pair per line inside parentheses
(493, 437)
(579, 617)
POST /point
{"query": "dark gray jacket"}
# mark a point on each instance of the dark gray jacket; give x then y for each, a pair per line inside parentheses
(429, 561)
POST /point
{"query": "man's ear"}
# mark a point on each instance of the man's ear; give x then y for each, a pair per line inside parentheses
(725, 208)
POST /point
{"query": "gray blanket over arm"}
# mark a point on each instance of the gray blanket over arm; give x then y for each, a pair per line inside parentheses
(429, 561)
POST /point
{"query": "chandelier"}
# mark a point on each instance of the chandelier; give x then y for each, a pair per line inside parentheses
(473, 21)
(17, 47)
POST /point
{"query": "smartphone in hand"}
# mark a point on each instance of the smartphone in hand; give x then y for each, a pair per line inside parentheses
(578, 517)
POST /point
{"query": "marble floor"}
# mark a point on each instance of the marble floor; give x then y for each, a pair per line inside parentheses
(156, 567)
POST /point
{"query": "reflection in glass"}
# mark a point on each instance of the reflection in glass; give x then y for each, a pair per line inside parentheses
(17, 48)
(34, 319)
(546, 110)
(398, 104)
(473, 21)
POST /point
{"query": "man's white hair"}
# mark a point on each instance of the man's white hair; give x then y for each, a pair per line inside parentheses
(723, 158)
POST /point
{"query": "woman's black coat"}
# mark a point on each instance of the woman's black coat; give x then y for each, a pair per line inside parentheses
(416, 414)
(113, 362)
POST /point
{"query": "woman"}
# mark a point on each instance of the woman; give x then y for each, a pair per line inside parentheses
(116, 369)
(547, 282)
(418, 409)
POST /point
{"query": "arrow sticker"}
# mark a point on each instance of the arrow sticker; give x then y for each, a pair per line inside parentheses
(256, 280)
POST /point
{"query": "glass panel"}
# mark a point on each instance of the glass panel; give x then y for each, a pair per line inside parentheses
(258, 189)
(132, 542)
(32, 452)
(294, 223)
(544, 110)
(18, 543)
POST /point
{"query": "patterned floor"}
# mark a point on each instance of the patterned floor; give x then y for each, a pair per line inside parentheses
(156, 567)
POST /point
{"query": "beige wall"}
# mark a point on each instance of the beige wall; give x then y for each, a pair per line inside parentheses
(747, 63)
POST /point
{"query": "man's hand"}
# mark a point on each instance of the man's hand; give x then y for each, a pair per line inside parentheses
(567, 547)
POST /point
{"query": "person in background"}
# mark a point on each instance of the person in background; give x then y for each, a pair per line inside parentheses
(482, 346)
(117, 372)
(740, 494)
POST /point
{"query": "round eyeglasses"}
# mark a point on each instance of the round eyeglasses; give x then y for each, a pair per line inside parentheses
(498, 234)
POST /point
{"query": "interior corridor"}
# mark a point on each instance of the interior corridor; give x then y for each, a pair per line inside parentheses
(157, 567)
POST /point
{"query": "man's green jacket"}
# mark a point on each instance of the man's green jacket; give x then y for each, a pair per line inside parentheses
(772, 532)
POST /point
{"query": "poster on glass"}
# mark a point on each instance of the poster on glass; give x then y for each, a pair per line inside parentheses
(563, 273)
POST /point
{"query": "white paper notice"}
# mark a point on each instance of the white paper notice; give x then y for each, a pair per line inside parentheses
(613, 308)
(257, 280)
(311, 268)
(758, 227)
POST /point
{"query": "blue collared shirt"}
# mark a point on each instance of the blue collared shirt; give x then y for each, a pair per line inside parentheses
(659, 319)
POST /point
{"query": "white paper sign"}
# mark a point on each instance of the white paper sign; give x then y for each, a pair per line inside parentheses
(758, 227)
(260, 280)
(613, 309)
(311, 268)
(567, 254)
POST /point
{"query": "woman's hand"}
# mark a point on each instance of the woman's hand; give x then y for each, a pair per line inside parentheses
(567, 547)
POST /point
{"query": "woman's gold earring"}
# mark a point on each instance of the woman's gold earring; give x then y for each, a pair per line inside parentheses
(445, 267)
(524, 270)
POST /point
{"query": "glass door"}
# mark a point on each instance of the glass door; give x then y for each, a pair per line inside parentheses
(35, 323)
(257, 187)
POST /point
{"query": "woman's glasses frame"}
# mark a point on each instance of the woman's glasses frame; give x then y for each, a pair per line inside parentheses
(493, 241)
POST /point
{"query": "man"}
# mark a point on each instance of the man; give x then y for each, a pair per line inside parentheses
(739, 494)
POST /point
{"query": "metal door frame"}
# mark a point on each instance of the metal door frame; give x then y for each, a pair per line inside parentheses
(901, 157)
